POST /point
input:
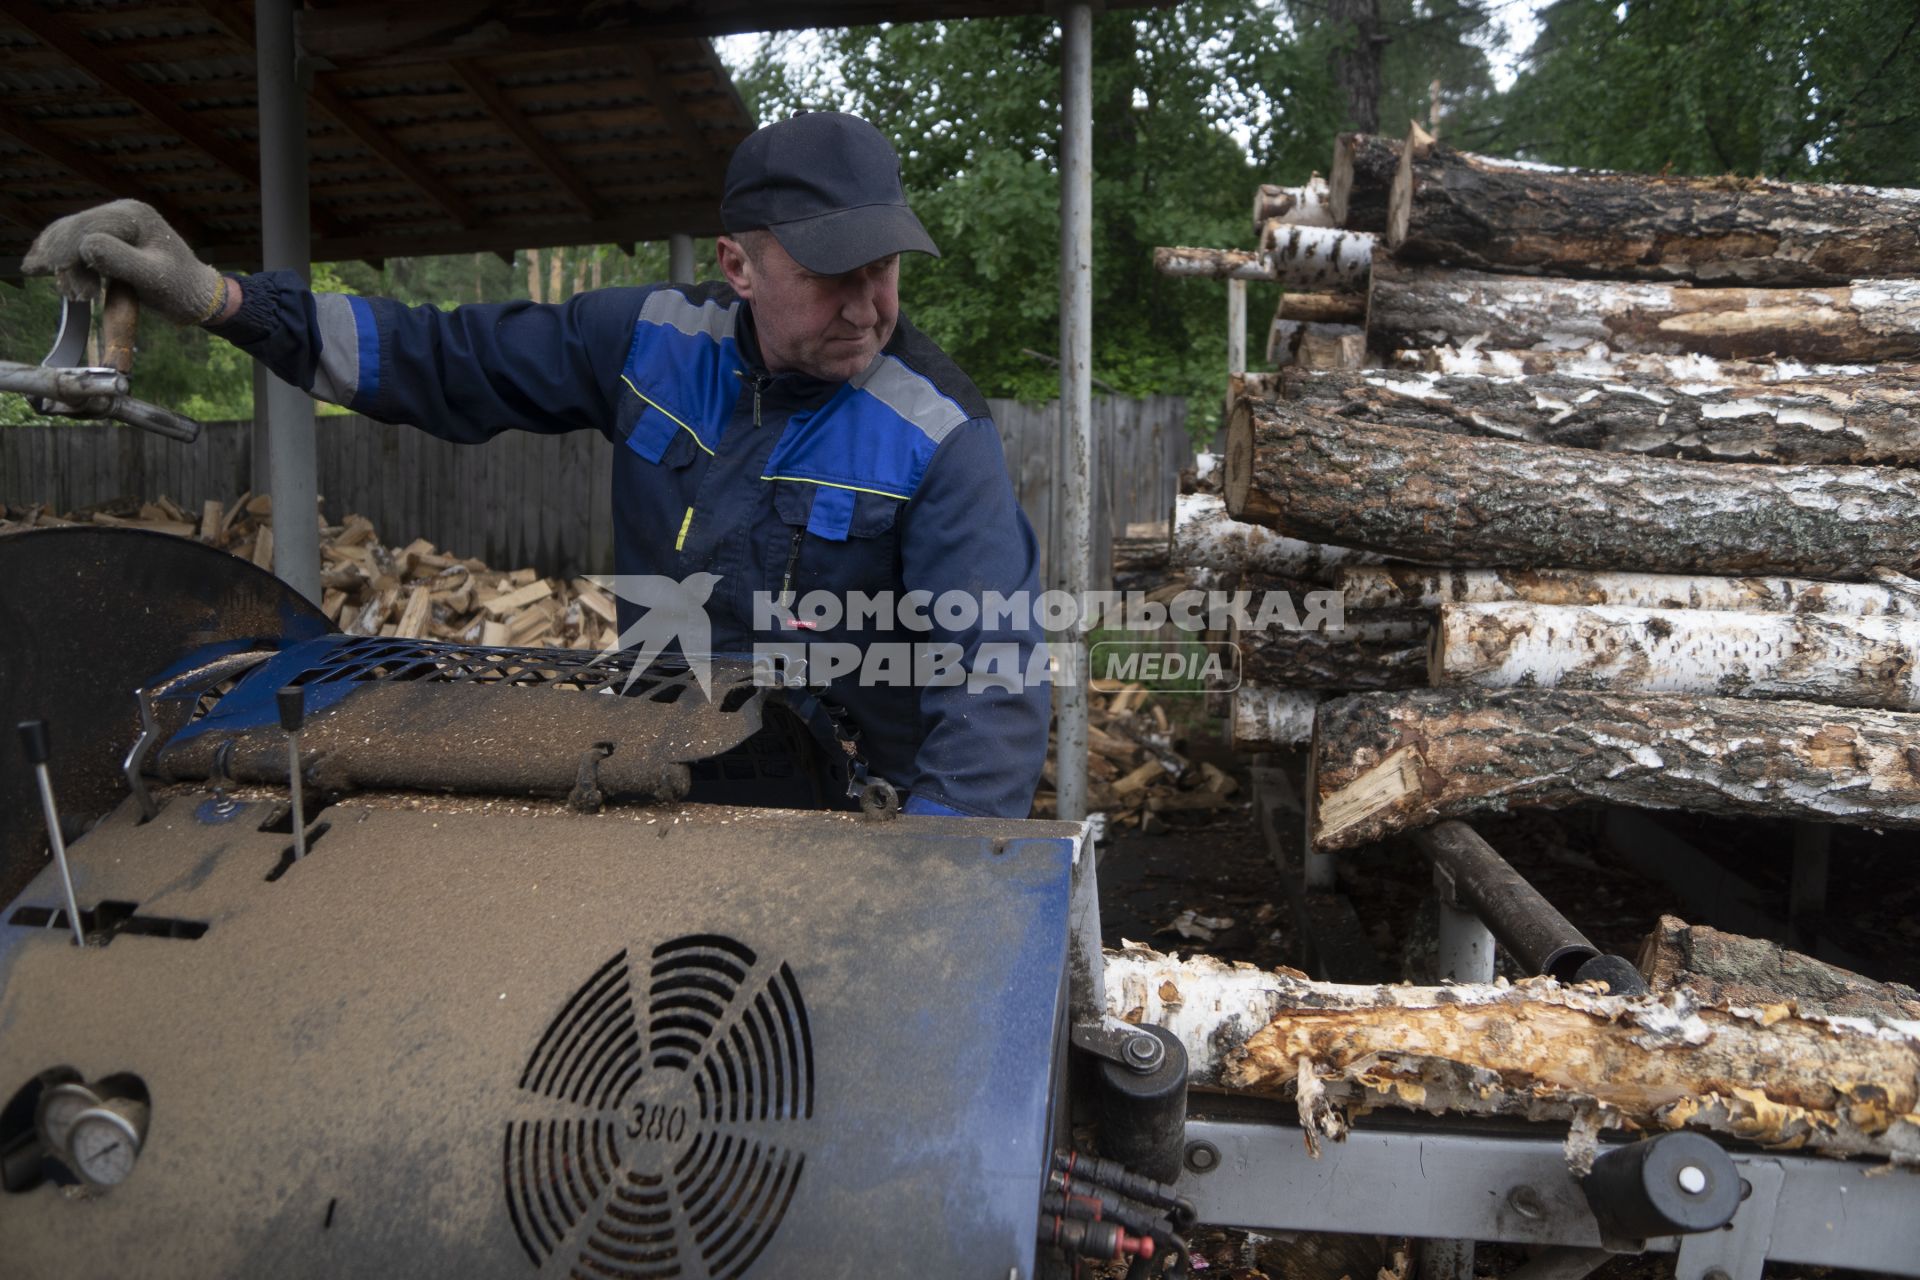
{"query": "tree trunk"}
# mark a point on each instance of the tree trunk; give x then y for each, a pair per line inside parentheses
(1535, 1050)
(1812, 657)
(1390, 762)
(1300, 258)
(1596, 360)
(1835, 420)
(1356, 68)
(1271, 719)
(1426, 307)
(1398, 586)
(1304, 205)
(1204, 538)
(1388, 653)
(1360, 185)
(1323, 308)
(1420, 495)
(1467, 210)
(1728, 969)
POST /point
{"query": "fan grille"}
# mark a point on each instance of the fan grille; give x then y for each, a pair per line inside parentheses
(660, 1146)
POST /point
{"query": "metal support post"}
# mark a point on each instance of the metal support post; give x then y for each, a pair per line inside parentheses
(1465, 953)
(1074, 480)
(680, 258)
(286, 244)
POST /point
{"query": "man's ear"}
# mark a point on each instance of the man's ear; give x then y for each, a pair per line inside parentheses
(735, 265)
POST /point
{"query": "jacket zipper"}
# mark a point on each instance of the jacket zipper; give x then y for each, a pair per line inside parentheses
(793, 557)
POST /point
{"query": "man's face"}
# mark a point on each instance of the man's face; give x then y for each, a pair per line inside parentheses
(830, 327)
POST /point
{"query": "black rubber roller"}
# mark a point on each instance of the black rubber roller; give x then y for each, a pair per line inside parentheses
(1675, 1184)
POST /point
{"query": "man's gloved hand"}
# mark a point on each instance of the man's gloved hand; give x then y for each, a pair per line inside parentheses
(128, 241)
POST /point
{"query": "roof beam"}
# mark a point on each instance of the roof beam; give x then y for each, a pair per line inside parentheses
(374, 138)
(37, 137)
(544, 154)
(94, 60)
(382, 33)
(679, 121)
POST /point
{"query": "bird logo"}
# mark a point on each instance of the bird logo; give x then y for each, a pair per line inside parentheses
(671, 612)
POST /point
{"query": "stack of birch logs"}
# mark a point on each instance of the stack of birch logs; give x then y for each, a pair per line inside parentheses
(1633, 455)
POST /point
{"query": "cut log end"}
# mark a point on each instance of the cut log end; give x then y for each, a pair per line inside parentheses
(1239, 458)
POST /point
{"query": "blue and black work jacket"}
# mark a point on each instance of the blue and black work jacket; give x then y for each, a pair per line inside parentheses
(778, 483)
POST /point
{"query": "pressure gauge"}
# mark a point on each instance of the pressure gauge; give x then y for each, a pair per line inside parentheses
(105, 1139)
(60, 1105)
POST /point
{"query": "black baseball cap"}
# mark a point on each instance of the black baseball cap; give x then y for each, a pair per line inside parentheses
(827, 185)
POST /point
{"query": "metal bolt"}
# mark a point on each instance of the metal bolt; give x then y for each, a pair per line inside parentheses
(1693, 1180)
(1144, 1053)
(1526, 1202)
(1716, 1273)
(1202, 1157)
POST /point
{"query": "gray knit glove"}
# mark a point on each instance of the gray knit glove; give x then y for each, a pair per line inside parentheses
(127, 241)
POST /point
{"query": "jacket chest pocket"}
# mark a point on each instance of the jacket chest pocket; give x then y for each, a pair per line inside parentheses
(832, 539)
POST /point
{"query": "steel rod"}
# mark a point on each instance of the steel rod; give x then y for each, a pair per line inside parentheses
(680, 258)
(1525, 923)
(286, 244)
(59, 851)
(1074, 479)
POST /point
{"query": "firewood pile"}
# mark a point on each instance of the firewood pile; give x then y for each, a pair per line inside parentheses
(369, 588)
(1136, 774)
(1613, 472)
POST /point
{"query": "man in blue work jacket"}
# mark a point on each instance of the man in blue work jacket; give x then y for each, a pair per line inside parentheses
(787, 431)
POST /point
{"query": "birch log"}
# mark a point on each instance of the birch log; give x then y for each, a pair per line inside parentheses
(1838, 421)
(1271, 719)
(1323, 308)
(1534, 1050)
(1868, 320)
(1814, 657)
(1360, 184)
(1380, 654)
(1420, 495)
(1390, 762)
(1204, 538)
(1306, 205)
(1391, 586)
(1467, 210)
(1596, 360)
(1728, 969)
(1300, 258)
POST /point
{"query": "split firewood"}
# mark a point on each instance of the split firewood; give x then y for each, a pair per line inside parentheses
(1535, 1050)
(1271, 719)
(1812, 657)
(1300, 258)
(1727, 969)
(1378, 654)
(1360, 183)
(1390, 762)
(1205, 538)
(1421, 495)
(1304, 205)
(1399, 586)
(1821, 421)
(1474, 211)
(1868, 320)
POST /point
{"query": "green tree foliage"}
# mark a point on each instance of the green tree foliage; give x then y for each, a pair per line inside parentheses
(1818, 89)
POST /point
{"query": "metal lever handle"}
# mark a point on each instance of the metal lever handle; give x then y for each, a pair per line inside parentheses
(33, 737)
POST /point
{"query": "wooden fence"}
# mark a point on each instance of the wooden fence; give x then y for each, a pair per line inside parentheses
(544, 501)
